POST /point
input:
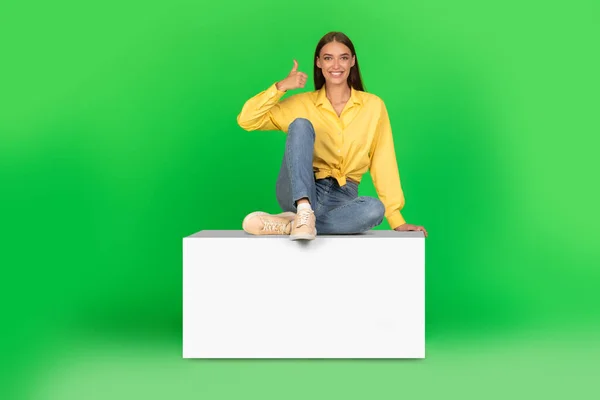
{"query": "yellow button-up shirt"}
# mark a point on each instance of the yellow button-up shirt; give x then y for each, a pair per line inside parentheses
(357, 141)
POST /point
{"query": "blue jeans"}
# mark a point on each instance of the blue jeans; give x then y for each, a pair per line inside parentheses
(338, 209)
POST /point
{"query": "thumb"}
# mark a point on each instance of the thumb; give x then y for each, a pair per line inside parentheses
(295, 66)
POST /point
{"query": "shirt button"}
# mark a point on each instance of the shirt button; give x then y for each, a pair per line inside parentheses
(339, 150)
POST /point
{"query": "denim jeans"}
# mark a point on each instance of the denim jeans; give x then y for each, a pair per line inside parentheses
(338, 209)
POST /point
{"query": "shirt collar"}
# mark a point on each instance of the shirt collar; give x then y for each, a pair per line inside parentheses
(355, 97)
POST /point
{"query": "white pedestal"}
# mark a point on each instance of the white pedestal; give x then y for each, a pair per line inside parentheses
(359, 296)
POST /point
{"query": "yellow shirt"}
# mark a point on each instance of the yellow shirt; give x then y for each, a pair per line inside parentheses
(357, 141)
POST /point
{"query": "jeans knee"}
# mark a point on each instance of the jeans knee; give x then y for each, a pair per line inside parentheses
(375, 211)
(301, 126)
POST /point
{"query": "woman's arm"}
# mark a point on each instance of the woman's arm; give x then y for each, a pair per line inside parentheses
(384, 171)
(385, 174)
(264, 111)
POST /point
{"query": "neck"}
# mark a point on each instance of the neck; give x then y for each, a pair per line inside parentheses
(337, 93)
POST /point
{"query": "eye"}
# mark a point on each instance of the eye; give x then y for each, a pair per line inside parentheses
(327, 58)
(344, 57)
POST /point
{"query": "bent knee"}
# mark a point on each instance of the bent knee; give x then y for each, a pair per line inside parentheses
(375, 211)
(301, 125)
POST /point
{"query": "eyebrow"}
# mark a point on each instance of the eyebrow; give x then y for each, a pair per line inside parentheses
(344, 54)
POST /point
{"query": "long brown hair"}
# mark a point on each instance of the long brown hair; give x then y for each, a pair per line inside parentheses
(354, 78)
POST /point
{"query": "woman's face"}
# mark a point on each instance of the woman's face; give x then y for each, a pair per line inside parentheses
(335, 60)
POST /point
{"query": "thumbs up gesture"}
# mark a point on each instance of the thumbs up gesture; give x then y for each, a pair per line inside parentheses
(294, 80)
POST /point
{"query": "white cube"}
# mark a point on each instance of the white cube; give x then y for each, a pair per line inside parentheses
(339, 296)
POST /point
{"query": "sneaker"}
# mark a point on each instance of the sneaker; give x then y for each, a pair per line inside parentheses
(303, 226)
(262, 223)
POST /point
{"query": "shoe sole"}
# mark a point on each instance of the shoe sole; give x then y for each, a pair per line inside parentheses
(303, 236)
(287, 214)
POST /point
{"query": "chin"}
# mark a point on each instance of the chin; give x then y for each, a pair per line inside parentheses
(338, 80)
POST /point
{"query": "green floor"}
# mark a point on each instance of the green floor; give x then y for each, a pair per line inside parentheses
(530, 364)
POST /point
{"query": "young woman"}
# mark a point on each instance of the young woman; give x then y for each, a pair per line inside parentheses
(335, 134)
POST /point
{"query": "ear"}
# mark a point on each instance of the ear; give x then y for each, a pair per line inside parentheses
(319, 62)
(353, 61)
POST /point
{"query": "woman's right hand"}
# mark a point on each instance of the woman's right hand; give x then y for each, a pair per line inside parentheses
(294, 80)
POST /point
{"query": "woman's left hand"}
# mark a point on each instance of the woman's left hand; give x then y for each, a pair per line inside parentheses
(409, 227)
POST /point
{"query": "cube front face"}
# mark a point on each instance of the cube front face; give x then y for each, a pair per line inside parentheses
(334, 297)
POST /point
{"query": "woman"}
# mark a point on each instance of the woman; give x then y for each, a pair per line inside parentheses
(335, 134)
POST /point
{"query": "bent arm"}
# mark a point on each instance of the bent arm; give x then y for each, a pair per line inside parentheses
(263, 111)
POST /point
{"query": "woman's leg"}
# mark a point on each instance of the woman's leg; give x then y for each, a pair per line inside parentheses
(342, 211)
(296, 177)
(295, 182)
(357, 216)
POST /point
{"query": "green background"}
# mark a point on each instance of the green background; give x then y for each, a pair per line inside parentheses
(118, 138)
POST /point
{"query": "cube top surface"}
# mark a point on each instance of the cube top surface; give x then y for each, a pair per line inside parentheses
(374, 234)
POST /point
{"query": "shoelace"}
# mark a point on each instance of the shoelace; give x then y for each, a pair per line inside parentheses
(274, 226)
(303, 218)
